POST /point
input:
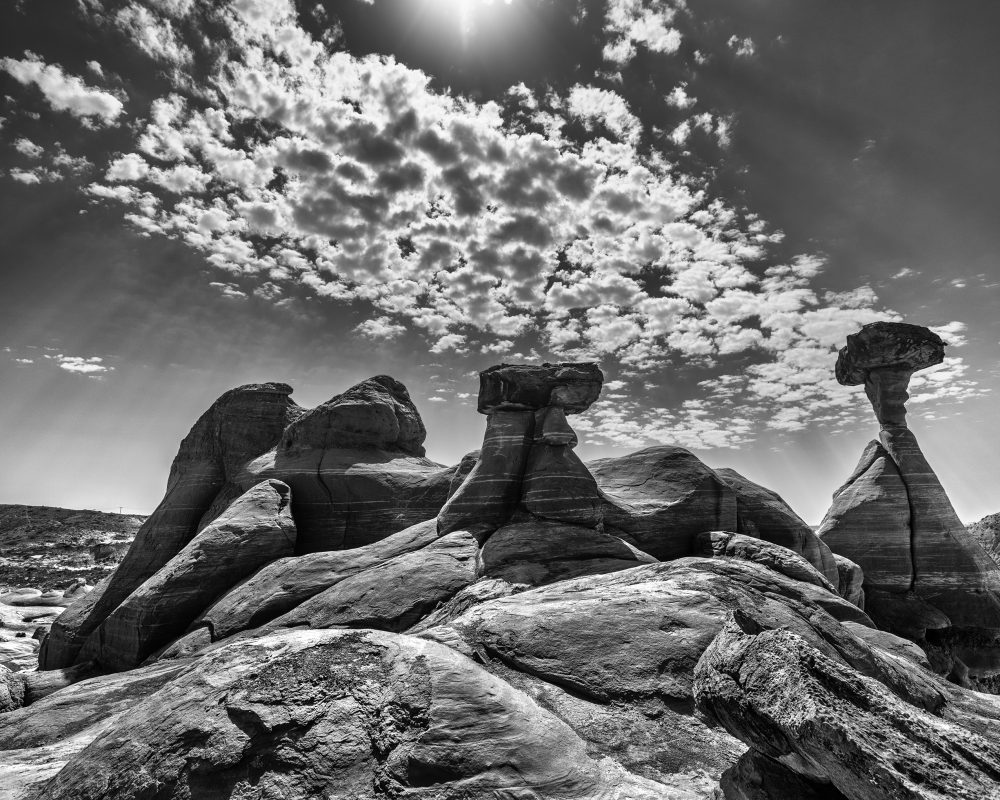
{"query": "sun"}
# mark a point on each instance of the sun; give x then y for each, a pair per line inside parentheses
(463, 13)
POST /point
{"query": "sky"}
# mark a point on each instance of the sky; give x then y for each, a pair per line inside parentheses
(704, 196)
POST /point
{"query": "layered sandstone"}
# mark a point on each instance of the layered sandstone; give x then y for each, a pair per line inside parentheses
(925, 576)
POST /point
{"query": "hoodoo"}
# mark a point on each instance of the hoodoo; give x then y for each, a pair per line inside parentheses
(926, 576)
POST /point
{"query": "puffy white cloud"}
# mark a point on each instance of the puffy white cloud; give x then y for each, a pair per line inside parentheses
(64, 92)
(380, 328)
(591, 104)
(28, 148)
(92, 366)
(645, 22)
(153, 33)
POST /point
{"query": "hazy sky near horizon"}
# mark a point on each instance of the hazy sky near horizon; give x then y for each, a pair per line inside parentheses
(705, 197)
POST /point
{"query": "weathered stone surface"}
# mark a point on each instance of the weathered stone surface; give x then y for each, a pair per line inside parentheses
(558, 486)
(662, 497)
(850, 581)
(343, 498)
(881, 345)
(37, 741)
(793, 703)
(987, 533)
(763, 514)
(533, 552)
(712, 544)
(462, 470)
(869, 522)
(240, 425)
(889, 643)
(492, 490)
(395, 594)
(638, 633)
(341, 714)
(254, 531)
(285, 583)
(376, 413)
(519, 387)
(953, 573)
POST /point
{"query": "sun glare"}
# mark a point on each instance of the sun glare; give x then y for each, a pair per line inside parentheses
(463, 13)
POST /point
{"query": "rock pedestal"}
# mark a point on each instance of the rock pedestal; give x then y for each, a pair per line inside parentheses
(894, 519)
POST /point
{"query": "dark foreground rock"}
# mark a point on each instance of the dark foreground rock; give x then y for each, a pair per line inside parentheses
(830, 725)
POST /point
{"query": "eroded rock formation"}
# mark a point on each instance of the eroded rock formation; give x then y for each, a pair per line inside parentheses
(521, 625)
(925, 576)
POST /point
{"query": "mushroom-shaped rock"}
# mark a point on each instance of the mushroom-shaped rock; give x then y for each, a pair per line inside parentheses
(524, 387)
(527, 457)
(883, 356)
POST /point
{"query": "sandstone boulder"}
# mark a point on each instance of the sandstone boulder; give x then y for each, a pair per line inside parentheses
(638, 633)
(239, 426)
(795, 704)
(662, 497)
(534, 552)
(762, 513)
(254, 531)
(394, 594)
(287, 582)
(719, 544)
(340, 714)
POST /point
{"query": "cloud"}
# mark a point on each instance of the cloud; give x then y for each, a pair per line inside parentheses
(631, 22)
(590, 104)
(64, 92)
(952, 332)
(91, 367)
(28, 148)
(380, 328)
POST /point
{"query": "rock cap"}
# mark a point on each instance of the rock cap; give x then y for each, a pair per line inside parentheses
(572, 386)
(887, 345)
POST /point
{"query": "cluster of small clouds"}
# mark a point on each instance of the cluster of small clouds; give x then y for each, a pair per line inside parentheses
(353, 178)
(89, 366)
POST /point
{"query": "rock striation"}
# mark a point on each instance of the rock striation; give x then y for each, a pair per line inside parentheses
(925, 576)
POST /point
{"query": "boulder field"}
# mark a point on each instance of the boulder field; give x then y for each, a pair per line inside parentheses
(316, 610)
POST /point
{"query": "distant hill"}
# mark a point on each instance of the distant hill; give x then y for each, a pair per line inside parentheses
(987, 531)
(48, 547)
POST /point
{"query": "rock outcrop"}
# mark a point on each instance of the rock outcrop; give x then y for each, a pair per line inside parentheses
(240, 425)
(831, 725)
(987, 533)
(354, 465)
(925, 576)
(522, 625)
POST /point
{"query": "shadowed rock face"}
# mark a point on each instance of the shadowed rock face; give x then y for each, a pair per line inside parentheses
(240, 425)
(893, 518)
(356, 472)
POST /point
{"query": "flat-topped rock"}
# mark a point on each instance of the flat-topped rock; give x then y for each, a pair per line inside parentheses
(881, 345)
(524, 387)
